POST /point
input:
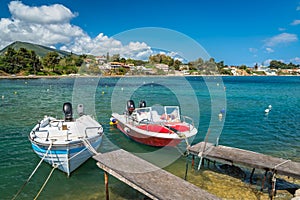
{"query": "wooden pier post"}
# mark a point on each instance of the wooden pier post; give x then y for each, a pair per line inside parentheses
(186, 166)
(148, 179)
(106, 185)
(251, 176)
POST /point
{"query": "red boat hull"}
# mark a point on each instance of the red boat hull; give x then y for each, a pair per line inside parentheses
(149, 140)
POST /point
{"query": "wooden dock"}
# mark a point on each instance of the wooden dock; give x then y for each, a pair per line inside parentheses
(246, 158)
(147, 178)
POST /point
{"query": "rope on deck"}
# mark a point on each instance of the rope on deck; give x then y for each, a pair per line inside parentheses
(20, 190)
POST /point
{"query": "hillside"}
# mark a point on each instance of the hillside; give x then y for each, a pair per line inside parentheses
(38, 49)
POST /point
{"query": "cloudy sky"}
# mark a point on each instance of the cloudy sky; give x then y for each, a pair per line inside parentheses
(234, 31)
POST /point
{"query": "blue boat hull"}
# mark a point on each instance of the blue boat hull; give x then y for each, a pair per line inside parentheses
(68, 157)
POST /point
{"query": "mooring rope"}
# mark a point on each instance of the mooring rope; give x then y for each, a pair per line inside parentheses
(38, 194)
(281, 163)
(203, 150)
(89, 146)
(33, 172)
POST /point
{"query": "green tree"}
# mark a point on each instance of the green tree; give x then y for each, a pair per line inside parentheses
(51, 60)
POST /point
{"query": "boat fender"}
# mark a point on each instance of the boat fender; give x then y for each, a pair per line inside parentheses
(100, 130)
(126, 129)
(113, 121)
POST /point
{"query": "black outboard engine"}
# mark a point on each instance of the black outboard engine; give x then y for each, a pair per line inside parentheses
(67, 109)
(142, 104)
(130, 106)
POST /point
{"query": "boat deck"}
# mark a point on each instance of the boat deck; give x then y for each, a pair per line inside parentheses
(147, 178)
(246, 158)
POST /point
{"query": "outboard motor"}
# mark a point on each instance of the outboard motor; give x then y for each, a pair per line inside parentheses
(67, 109)
(80, 110)
(142, 104)
(130, 106)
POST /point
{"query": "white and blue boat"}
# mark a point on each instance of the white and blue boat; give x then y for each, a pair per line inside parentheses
(66, 143)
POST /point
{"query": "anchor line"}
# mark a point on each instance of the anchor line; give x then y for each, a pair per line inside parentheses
(43, 186)
(20, 190)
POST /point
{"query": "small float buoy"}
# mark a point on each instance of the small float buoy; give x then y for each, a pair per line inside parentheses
(2, 96)
(222, 111)
(270, 107)
(103, 92)
(113, 121)
(220, 116)
(267, 110)
(15, 92)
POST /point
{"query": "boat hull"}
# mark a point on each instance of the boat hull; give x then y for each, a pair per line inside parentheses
(67, 157)
(135, 135)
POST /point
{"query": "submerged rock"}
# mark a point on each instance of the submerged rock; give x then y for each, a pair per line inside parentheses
(232, 170)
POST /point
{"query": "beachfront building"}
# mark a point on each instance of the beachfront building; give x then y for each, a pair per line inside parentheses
(101, 60)
(267, 71)
(163, 67)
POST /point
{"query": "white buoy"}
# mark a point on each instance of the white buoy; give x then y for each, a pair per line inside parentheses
(270, 107)
(267, 110)
(220, 116)
(2, 96)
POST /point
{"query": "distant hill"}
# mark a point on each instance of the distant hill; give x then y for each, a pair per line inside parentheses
(38, 49)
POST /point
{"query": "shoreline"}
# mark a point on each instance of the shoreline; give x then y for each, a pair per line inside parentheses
(120, 76)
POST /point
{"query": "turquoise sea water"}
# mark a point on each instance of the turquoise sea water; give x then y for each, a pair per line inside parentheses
(244, 124)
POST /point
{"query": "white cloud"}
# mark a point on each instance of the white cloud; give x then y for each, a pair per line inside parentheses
(295, 22)
(295, 60)
(42, 15)
(50, 25)
(45, 25)
(298, 8)
(267, 62)
(269, 50)
(281, 29)
(103, 44)
(252, 50)
(282, 38)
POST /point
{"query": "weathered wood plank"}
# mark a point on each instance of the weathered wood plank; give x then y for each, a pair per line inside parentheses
(247, 158)
(148, 178)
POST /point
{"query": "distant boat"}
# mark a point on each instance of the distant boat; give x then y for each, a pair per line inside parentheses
(154, 126)
(66, 143)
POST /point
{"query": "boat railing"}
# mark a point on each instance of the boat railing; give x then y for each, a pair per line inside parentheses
(94, 127)
(47, 137)
(188, 120)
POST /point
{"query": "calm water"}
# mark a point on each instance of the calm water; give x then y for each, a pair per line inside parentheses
(24, 101)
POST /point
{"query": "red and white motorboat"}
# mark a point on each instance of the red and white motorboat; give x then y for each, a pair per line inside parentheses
(155, 126)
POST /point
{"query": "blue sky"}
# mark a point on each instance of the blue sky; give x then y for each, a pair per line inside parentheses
(234, 31)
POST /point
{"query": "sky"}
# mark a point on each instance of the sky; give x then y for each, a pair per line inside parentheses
(238, 32)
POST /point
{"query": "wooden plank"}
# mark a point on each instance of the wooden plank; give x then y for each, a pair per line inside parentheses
(247, 158)
(148, 178)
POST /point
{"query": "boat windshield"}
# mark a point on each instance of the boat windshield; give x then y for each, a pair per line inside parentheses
(142, 114)
(157, 114)
(172, 113)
